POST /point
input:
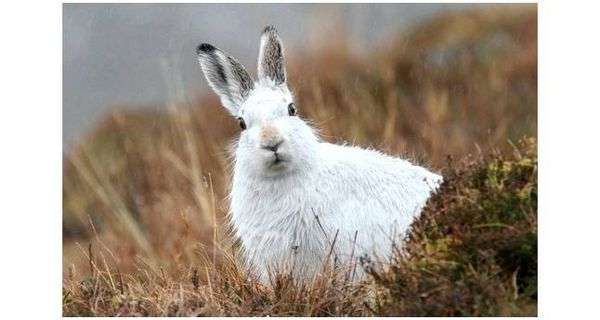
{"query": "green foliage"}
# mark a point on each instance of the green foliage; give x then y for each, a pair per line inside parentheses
(474, 250)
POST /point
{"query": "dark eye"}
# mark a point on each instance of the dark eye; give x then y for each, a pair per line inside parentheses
(242, 123)
(292, 109)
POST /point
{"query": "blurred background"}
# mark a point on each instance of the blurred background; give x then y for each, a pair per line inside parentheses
(146, 165)
(122, 54)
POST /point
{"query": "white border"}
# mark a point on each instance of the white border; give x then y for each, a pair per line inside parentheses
(31, 161)
(568, 112)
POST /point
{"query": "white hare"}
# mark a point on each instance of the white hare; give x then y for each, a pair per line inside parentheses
(294, 199)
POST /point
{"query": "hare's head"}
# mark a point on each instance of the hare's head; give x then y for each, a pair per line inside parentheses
(274, 140)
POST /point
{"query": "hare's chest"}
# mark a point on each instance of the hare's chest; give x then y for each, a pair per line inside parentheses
(277, 230)
(291, 244)
(279, 233)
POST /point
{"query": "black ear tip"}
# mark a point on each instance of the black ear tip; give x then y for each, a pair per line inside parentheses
(269, 29)
(205, 48)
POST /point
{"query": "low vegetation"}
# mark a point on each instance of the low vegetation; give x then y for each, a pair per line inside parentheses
(472, 252)
(144, 220)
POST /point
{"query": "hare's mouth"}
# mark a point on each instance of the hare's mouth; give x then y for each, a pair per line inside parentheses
(278, 158)
(277, 162)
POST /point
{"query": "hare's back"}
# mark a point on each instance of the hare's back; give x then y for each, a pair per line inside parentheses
(374, 193)
(374, 170)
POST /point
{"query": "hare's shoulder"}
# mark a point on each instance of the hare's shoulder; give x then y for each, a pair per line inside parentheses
(353, 157)
(367, 189)
(374, 169)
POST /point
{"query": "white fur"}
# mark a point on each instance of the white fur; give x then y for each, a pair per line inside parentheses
(287, 214)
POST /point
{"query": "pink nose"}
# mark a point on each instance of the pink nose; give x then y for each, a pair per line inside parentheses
(270, 138)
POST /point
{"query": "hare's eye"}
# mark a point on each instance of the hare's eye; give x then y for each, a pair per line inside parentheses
(242, 123)
(292, 109)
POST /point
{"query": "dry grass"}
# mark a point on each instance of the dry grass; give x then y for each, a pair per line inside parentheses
(146, 191)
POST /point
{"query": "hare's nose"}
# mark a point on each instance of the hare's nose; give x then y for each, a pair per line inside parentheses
(273, 146)
(270, 139)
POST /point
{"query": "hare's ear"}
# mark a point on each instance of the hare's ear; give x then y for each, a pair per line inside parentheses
(226, 76)
(271, 65)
